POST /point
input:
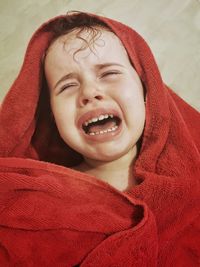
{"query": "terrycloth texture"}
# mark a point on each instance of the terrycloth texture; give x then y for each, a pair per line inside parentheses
(51, 215)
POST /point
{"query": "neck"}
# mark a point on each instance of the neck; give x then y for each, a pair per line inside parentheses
(118, 172)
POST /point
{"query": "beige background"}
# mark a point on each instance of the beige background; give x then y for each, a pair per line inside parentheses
(171, 27)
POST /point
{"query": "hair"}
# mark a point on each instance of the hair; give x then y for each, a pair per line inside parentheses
(78, 22)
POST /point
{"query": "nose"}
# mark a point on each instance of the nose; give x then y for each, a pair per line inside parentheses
(90, 93)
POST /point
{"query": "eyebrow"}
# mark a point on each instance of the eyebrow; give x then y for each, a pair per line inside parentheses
(101, 66)
(74, 75)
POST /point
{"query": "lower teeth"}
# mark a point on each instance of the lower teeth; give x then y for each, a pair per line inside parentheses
(105, 131)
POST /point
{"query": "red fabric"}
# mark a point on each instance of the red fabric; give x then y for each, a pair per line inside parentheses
(51, 215)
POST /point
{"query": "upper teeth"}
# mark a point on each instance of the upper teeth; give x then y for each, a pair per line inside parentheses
(100, 118)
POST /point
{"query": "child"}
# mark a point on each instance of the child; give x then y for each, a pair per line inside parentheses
(94, 87)
(100, 165)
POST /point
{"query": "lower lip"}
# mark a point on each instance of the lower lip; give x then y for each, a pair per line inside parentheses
(105, 136)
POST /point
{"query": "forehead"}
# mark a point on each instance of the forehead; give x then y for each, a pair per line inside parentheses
(101, 43)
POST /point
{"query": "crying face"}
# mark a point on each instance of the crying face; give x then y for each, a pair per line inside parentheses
(96, 96)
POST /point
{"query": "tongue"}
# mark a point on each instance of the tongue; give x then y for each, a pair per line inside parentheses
(101, 127)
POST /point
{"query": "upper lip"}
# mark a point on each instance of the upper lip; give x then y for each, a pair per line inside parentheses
(96, 113)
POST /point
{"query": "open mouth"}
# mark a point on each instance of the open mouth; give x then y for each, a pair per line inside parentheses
(102, 124)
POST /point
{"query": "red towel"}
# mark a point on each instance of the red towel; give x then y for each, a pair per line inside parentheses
(51, 215)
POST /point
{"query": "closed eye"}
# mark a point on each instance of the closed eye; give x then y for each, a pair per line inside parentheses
(110, 73)
(68, 86)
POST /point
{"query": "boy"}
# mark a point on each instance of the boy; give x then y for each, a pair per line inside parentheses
(127, 193)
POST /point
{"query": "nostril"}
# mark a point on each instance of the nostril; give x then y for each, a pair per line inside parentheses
(98, 97)
(85, 101)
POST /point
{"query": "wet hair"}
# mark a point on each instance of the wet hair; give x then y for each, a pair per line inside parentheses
(78, 22)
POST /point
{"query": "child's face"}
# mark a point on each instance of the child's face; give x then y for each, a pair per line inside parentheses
(88, 84)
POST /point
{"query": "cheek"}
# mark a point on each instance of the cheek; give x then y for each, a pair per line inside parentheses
(128, 92)
(64, 113)
(129, 97)
(67, 129)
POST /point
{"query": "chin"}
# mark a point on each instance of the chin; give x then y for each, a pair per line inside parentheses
(107, 156)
